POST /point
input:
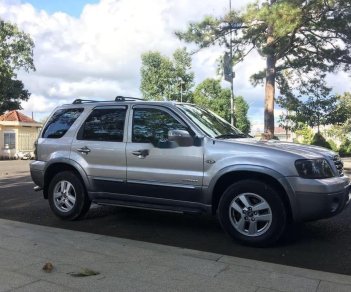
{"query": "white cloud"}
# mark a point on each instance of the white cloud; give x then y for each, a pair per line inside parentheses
(340, 82)
(39, 104)
(98, 54)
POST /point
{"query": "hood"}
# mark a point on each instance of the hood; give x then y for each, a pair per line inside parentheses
(304, 151)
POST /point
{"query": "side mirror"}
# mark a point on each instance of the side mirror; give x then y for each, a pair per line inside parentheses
(181, 137)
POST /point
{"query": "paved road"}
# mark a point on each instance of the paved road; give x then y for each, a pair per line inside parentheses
(323, 245)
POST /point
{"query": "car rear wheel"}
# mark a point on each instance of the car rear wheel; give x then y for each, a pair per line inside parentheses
(252, 212)
(67, 196)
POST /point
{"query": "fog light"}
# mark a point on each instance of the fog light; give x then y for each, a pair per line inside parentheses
(335, 205)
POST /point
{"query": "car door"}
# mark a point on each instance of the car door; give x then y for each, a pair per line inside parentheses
(156, 167)
(100, 149)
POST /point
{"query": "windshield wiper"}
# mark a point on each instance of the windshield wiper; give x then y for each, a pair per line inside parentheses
(229, 136)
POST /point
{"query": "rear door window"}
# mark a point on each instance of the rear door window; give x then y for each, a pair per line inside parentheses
(104, 125)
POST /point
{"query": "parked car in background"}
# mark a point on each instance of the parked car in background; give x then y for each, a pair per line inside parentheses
(24, 155)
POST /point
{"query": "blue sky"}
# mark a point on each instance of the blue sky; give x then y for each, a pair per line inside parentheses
(71, 7)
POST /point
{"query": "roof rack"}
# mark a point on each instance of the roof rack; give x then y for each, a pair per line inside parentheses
(79, 101)
(124, 98)
(118, 98)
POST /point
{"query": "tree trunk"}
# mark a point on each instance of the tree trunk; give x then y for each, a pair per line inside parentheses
(270, 84)
(269, 97)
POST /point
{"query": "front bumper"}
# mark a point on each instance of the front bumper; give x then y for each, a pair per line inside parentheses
(318, 199)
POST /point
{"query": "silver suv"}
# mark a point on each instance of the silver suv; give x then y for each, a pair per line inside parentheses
(182, 158)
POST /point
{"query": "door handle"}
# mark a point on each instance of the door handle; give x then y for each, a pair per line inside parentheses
(84, 150)
(141, 153)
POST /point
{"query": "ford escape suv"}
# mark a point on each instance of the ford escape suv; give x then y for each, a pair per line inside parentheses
(182, 158)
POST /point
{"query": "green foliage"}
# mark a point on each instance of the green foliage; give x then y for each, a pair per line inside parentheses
(241, 120)
(343, 111)
(333, 145)
(184, 78)
(314, 106)
(16, 52)
(156, 76)
(298, 38)
(211, 95)
(345, 148)
(12, 92)
(306, 133)
(167, 78)
(319, 140)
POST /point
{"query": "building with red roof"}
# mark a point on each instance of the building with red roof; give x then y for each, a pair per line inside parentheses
(18, 133)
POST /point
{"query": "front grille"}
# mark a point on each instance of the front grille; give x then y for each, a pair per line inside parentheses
(339, 165)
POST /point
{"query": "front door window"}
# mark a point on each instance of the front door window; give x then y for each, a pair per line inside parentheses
(152, 126)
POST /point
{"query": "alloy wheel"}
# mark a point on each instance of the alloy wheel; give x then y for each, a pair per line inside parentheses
(250, 214)
(64, 196)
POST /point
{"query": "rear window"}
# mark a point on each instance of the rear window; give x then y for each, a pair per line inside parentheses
(60, 122)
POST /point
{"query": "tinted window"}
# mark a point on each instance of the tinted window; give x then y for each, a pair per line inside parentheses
(152, 125)
(104, 125)
(60, 122)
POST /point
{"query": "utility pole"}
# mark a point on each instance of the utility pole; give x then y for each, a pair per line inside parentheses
(232, 117)
(228, 71)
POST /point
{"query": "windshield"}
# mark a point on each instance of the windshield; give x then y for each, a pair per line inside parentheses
(211, 124)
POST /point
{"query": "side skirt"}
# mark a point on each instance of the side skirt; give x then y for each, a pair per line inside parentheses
(141, 202)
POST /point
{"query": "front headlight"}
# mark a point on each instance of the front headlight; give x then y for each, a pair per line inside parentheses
(313, 168)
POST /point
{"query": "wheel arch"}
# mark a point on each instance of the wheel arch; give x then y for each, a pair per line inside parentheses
(60, 166)
(225, 179)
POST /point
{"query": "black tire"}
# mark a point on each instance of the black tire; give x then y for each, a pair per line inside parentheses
(271, 230)
(82, 202)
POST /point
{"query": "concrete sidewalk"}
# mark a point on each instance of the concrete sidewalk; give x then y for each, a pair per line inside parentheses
(127, 265)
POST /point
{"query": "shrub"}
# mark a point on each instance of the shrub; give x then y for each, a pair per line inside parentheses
(306, 133)
(345, 148)
(333, 145)
(319, 140)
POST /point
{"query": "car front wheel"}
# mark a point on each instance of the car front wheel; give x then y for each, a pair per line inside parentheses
(252, 212)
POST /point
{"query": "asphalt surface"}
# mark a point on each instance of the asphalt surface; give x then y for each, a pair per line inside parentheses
(322, 245)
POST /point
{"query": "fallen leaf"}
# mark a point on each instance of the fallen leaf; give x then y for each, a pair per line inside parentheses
(48, 267)
(84, 273)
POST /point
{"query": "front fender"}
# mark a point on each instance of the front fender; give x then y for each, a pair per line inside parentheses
(248, 170)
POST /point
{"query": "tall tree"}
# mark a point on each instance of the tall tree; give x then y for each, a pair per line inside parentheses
(184, 77)
(167, 78)
(156, 76)
(298, 36)
(211, 95)
(16, 52)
